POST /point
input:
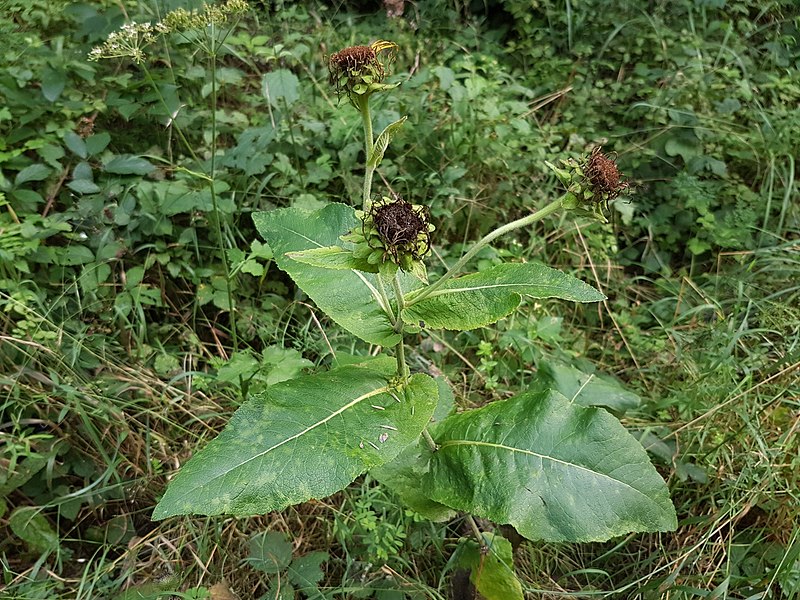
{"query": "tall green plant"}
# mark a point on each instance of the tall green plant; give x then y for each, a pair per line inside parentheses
(207, 30)
(552, 468)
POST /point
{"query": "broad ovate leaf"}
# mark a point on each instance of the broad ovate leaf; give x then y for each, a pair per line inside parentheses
(491, 567)
(403, 474)
(302, 439)
(486, 297)
(554, 470)
(351, 298)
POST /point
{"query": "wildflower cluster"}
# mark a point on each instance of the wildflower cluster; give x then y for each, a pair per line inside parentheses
(132, 38)
(358, 71)
(591, 184)
(128, 42)
(182, 19)
(393, 230)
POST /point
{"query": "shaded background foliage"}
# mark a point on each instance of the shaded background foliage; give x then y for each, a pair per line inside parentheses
(115, 322)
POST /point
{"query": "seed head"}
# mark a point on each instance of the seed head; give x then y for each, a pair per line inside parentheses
(591, 184)
(397, 231)
(605, 180)
(353, 60)
(358, 71)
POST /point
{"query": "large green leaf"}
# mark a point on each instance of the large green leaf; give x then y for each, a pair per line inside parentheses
(491, 567)
(555, 470)
(301, 439)
(488, 296)
(403, 474)
(351, 298)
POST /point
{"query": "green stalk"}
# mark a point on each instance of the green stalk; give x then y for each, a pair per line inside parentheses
(476, 530)
(214, 205)
(429, 440)
(386, 302)
(402, 368)
(479, 245)
(369, 145)
(174, 124)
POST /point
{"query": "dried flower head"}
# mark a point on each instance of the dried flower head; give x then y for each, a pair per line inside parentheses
(358, 71)
(399, 225)
(353, 60)
(393, 230)
(592, 184)
(603, 176)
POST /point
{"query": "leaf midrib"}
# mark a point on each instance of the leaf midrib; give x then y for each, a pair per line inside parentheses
(543, 457)
(335, 413)
(457, 290)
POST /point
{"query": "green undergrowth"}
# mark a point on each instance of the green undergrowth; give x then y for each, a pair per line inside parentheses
(138, 306)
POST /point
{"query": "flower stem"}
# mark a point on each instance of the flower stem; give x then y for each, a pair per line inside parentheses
(387, 305)
(402, 368)
(479, 245)
(214, 204)
(369, 144)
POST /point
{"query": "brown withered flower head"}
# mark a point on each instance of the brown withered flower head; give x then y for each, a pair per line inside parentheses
(399, 224)
(397, 231)
(603, 176)
(353, 60)
(358, 71)
(591, 184)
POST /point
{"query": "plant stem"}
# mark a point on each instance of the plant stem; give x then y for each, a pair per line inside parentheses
(173, 118)
(475, 530)
(386, 302)
(369, 145)
(402, 368)
(214, 205)
(429, 439)
(479, 245)
(212, 53)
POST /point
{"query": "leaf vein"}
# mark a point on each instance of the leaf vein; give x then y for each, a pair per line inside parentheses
(541, 456)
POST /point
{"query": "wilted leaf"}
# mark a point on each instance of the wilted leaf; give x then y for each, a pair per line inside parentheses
(491, 567)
